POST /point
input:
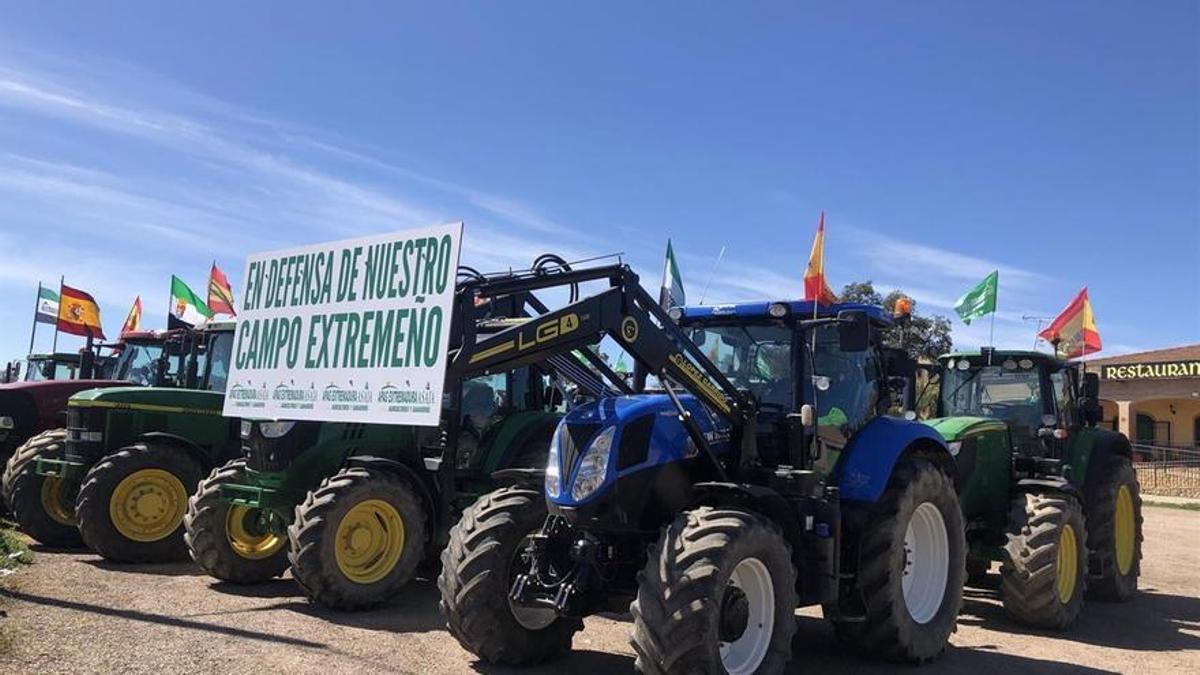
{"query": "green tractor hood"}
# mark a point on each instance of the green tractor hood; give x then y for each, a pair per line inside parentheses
(152, 399)
(956, 428)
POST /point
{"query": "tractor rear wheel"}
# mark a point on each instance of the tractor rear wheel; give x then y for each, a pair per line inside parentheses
(41, 505)
(717, 595)
(357, 539)
(131, 504)
(911, 564)
(1044, 569)
(232, 542)
(1114, 516)
(485, 552)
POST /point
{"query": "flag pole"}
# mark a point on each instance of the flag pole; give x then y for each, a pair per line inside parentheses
(62, 278)
(36, 304)
(711, 274)
(992, 331)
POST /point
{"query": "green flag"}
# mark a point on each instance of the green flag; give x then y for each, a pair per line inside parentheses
(979, 301)
(187, 309)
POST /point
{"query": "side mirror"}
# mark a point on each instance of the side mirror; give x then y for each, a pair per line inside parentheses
(854, 331)
(1091, 386)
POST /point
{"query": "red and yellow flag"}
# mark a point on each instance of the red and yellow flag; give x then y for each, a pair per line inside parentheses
(1073, 333)
(815, 286)
(133, 320)
(78, 313)
(220, 293)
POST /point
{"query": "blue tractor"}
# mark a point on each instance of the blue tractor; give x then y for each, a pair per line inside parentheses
(763, 472)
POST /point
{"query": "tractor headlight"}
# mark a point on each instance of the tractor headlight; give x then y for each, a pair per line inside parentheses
(6, 422)
(777, 310)
(247, 428)
(275, 429)
(594, 465)
(553, 472)
(954, 447)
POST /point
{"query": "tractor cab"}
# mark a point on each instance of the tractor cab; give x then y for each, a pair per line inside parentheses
(1042, 400)
(822, 368)
(57, 366)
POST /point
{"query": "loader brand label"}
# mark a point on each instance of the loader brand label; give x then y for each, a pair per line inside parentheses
(1151, 371)
(528, 338)
(349, 331)
(692, 373)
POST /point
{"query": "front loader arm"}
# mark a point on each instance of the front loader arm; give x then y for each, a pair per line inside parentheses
(630, 316)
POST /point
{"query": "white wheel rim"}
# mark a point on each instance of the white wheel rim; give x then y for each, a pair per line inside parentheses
(745, 654)
(926, 563)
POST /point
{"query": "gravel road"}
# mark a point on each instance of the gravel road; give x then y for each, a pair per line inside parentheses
(73, 612)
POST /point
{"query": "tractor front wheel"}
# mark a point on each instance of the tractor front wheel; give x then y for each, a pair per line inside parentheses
(485, 552)
(42, 506)
(131, 505)
(1114, 513)
(911, 564)
(232, 542)
(357, 539)
(717, 595)
(1045, 561)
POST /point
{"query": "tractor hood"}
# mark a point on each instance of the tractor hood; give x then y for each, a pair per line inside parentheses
(160, 399)
(956, 428)
(600, 442)
(35, 406)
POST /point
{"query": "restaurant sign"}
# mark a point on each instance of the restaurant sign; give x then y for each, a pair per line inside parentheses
(1151, 371)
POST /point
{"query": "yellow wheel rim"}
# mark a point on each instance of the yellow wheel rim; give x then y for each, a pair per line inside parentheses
(1124, 525)
(52, 502)
(246, 537)
(148, 505)
(369, 541)
(1068, 564)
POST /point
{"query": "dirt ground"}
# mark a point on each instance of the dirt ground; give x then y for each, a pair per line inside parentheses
(72, 612)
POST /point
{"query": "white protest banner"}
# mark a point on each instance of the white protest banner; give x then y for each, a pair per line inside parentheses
(347, 331)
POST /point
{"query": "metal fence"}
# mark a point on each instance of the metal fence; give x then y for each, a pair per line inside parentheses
(1171, 470)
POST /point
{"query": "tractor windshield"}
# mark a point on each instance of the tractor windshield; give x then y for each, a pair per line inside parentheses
(756, 358)
(220, 350)
(1013, 394)
(138, 362)
(49, 369)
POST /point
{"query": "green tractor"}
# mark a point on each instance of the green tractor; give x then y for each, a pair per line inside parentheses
(134, 454)
(353, 508)
(1044, 491)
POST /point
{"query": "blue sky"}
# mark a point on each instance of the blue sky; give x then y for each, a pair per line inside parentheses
(1058, 142)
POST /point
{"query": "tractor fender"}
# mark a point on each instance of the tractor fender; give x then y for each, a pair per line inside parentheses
(195, 451)
(405, 471)
(1107, 444)
(757, 498)
(1050, 484)
(866, 464)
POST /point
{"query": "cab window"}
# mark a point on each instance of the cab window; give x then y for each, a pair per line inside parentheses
(1064, 397)
(843, 387)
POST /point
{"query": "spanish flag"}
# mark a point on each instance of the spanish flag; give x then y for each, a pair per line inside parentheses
(220, 293)
(1073, 333)
(78, 313)
(133, 320)
(815, 286)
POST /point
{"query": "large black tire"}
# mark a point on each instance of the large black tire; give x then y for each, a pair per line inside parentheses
(1111, 583)
(688, 605)
(314, 541)
(1044, 569)
(477, 572)
(210, 533)
(38, 504)
(142, 464)
(889, 630)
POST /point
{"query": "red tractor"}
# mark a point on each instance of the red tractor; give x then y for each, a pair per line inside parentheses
(33, 410)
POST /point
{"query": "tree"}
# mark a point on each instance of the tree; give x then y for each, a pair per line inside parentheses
(923, 337)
